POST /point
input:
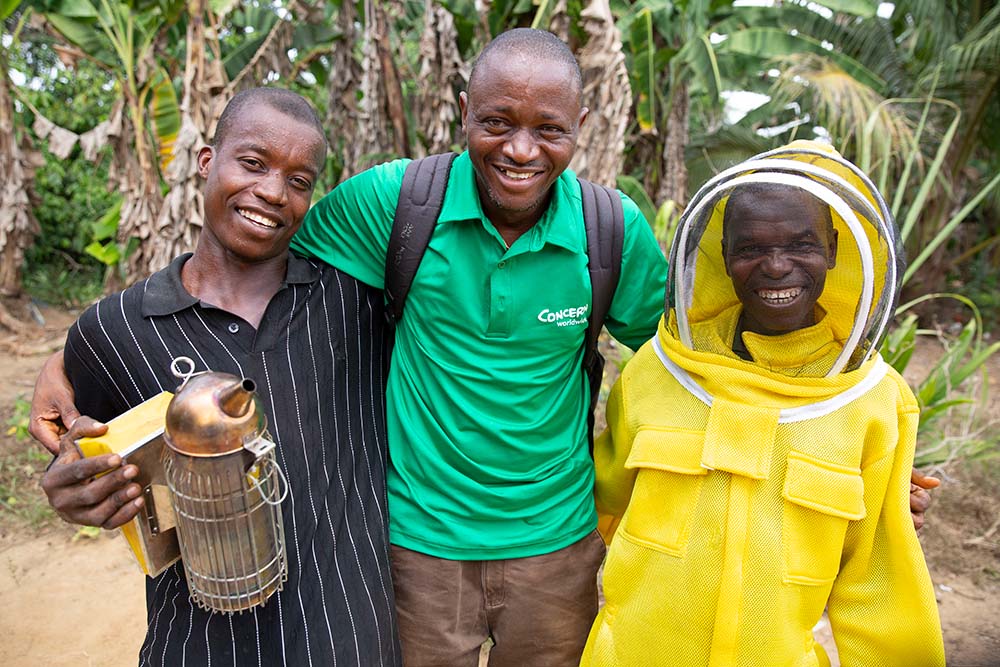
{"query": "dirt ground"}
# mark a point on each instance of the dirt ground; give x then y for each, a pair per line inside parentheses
(70, 599)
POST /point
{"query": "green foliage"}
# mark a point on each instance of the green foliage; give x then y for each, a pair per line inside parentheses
(76, 99)
(951, 404)
(21, 468)
(17, 423)
(72, 194)
(772, 42)
(68, 286)
(633, 188)
(104, 248)
(7, 8)
(165, 116)
(665, 223)
(642, 48)
(250, 26)
(979, 281)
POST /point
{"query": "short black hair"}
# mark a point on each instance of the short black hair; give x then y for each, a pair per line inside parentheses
(744, 196)
(536, 44)
(289, 103)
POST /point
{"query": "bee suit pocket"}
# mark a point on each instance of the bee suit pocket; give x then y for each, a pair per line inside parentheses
(820, 499)
(667, 487)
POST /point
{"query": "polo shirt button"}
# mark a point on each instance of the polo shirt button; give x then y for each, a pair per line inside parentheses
(502, 264)
(234, 328)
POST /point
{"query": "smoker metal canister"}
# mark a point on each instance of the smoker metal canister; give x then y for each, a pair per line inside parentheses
(226, 491)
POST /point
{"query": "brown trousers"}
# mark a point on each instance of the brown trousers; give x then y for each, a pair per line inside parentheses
(537, 610)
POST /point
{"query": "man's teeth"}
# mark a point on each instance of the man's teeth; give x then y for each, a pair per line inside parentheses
(518, 175)
(779, 296)
(259, 219)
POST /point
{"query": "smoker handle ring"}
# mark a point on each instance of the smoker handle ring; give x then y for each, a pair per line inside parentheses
(283, 481)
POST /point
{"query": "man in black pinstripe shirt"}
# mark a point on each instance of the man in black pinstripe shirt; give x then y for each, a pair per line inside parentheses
(311, 338)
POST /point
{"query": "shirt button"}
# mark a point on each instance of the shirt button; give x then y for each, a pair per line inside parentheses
(234, 328)
(502, 264)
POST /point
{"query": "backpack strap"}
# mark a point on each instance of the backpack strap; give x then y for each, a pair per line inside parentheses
(604, 221)
(421, 197)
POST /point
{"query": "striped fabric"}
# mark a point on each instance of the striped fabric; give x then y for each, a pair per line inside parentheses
(317, 359)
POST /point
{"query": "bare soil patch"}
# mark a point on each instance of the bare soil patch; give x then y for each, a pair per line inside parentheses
(69, 602)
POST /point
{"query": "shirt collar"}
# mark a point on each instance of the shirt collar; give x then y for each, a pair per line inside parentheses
(561, 225)
(165, 294)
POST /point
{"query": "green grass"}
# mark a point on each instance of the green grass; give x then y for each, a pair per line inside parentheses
(68, 287)
(22, 463)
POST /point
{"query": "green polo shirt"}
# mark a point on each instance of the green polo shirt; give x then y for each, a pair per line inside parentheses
(486, 398)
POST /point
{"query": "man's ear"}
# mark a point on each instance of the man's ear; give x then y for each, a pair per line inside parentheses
(832, 258)
(463, 105)
(205, 156)
(584, 112)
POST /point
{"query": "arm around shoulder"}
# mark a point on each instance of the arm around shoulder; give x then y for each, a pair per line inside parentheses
(349, 227)
(53, 410)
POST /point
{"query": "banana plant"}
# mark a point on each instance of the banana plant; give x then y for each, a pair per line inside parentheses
(671, 60)
(18, 226)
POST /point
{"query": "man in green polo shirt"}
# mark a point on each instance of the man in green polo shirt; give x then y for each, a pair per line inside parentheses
(490, 478)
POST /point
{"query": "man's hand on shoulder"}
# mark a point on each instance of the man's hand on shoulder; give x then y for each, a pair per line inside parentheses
(75, 491)
(920, 499)
(52, 406)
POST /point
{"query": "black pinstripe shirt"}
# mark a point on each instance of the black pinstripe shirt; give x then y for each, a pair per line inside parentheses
(317, 361)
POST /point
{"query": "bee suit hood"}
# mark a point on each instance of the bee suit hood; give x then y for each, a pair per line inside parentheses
(861, 289)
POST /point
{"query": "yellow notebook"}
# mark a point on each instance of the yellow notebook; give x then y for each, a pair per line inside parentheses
(137, 435)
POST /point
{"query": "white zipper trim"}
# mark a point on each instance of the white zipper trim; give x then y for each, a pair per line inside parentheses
(786, 415)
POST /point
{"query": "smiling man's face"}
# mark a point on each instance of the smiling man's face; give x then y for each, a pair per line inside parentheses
(521, 118)
(259, 182)
(778, 245)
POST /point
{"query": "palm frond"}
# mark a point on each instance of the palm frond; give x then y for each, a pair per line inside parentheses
(863, 40)
(708, 154)
(841, 103)
(979, 51)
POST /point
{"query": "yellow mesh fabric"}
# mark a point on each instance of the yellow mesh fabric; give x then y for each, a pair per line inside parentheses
(811, 351)
(741, 498)
(709, 567)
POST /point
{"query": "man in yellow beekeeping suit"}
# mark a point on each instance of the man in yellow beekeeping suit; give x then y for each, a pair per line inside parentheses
(756, 466)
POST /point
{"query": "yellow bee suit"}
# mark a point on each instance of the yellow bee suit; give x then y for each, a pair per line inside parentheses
(743, 497)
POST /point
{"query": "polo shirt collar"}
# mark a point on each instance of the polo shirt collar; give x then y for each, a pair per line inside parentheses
(561, 225)
(165, 293)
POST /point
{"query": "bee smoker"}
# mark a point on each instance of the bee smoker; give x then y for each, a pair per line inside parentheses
(226, 490)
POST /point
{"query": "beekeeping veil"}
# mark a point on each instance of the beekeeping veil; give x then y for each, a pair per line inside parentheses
(861, 289)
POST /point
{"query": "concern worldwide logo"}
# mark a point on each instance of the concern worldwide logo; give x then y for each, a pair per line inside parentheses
(566, 317)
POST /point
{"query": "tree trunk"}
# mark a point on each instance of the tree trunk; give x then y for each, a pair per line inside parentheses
(342, 85)
(182, 214)
(374, 138)
(393, 90)
(18, 226)
(441, 70)
(139, 183)
(674, 185)
(607, 93)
